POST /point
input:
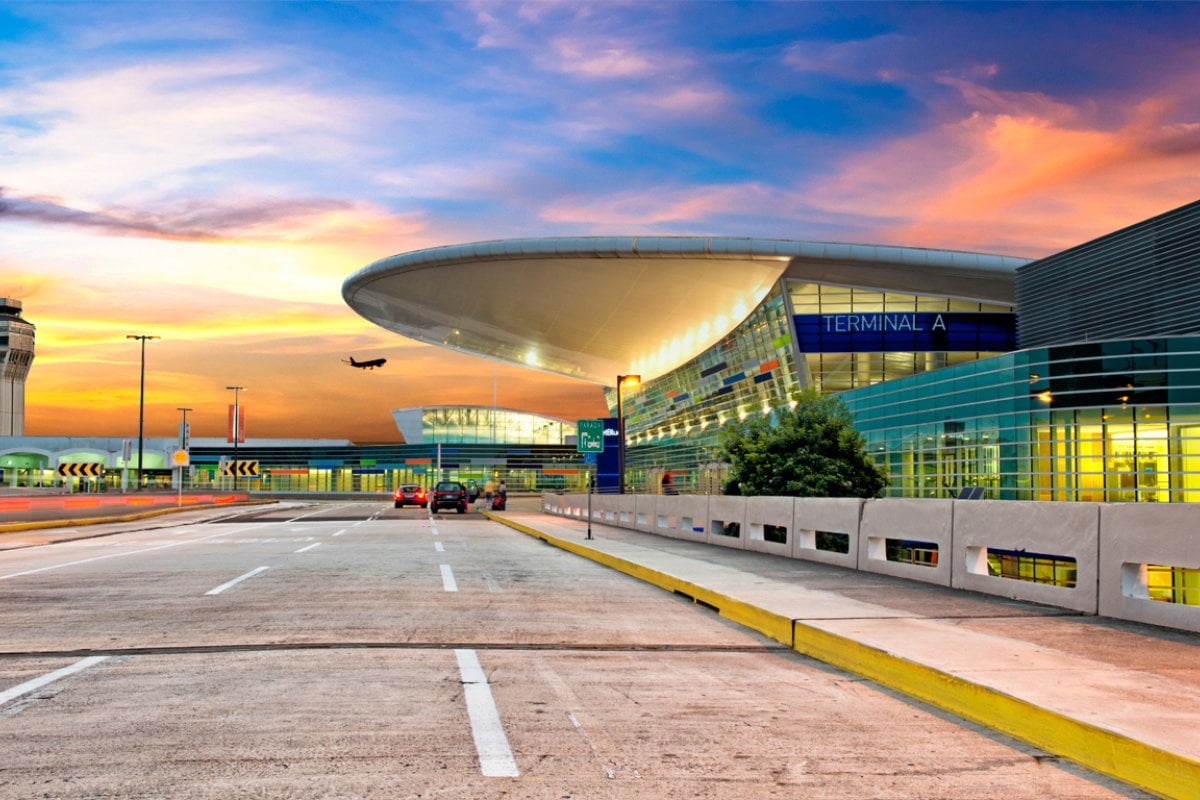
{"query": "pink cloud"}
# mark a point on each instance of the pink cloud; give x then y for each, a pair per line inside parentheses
(1022, 173)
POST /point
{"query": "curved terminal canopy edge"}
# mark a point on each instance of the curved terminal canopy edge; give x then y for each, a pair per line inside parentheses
(595, 307)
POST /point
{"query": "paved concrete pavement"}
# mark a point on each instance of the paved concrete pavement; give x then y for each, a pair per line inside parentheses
(1119, 698)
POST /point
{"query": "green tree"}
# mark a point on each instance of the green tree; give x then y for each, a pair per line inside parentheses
(809, 450)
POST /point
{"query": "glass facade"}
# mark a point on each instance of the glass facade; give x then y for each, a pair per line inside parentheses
(672, 422)
(480, 425)
(1115, 421)
(853, 337)
(383, 468)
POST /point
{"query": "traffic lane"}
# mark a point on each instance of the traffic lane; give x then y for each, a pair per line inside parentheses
(71, 529)
(396, 722)
(383, 581)
(658, 698)
(145, 588)
(321, 511)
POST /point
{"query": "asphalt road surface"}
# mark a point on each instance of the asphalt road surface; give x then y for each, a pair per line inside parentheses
(354, 650)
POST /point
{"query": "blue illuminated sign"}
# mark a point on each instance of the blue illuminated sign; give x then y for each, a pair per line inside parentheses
(921, 332)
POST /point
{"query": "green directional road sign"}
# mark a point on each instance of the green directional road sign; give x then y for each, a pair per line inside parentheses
(591, 436)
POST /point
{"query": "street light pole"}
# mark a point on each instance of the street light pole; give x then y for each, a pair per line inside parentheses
(237, 429)
(141, 401)
(622, 382)
(184, 437)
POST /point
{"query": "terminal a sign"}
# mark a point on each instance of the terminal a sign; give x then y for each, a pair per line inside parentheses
(921, 332)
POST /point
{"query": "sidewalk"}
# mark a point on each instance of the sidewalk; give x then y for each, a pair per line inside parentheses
(1119, 698)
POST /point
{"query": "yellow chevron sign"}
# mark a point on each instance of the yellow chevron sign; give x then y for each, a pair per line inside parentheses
(240, 468)
(82, 469)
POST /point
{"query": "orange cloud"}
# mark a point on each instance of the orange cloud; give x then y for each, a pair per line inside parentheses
(1022, 174)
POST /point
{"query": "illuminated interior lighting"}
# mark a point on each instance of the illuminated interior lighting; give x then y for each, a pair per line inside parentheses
(1045, 396)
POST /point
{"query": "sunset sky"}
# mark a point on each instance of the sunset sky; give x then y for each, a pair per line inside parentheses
(212, 172)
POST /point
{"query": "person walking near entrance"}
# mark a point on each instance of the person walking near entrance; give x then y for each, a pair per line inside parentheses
(489, 489)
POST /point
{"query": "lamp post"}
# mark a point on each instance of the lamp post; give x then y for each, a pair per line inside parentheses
(141, 401)
(236, 429)
(184, 437)
(622, 382)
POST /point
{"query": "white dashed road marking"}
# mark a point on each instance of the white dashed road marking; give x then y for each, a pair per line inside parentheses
(37, 683)
(237, 580)
(448, 579)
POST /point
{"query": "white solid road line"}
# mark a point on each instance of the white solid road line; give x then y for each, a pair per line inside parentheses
(310, 547)
(37, 683)
(495, 756)
(237, 580)
(448, 579)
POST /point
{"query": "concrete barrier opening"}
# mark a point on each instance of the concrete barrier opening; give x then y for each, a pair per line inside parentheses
(828, 541)
(1169, 584)
(907, 551)
(769, 533)
(722, 528)
(1044, 568)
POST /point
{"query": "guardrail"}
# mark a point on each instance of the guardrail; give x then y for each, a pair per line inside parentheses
(1131, 561)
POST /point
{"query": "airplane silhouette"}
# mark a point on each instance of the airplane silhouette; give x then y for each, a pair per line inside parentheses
(372, 364)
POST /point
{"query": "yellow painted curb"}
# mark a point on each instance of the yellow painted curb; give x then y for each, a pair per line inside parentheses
(1167, 774)
(1150, 768)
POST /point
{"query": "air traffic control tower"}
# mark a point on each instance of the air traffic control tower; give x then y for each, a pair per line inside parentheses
(16, 356)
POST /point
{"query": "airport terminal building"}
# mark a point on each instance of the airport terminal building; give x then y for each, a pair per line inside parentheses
(1073, 377)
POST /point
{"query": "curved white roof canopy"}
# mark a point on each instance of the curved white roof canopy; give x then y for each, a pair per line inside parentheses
(596, 307)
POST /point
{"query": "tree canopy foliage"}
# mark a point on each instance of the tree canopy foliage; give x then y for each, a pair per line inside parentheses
(809, 450)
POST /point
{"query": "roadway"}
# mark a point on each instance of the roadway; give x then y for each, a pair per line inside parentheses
(320, 650)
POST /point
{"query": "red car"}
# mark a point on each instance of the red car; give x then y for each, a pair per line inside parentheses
(411, 494)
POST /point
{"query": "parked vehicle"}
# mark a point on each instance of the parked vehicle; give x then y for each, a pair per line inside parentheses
(449, 494)
(411, 494)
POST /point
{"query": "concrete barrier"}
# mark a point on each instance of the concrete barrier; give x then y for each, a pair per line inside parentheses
(1143, 549)
(606, 508)
(726, 524)
(770, 525)
(1032, 547)
(644, 506)
(839, 516)
(907, 538)
(1117, 560)
(682, 517)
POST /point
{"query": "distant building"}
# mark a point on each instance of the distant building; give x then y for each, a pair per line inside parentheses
(16, 356)
(480, 425)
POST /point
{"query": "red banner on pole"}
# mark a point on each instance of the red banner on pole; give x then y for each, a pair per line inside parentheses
(237, 426)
